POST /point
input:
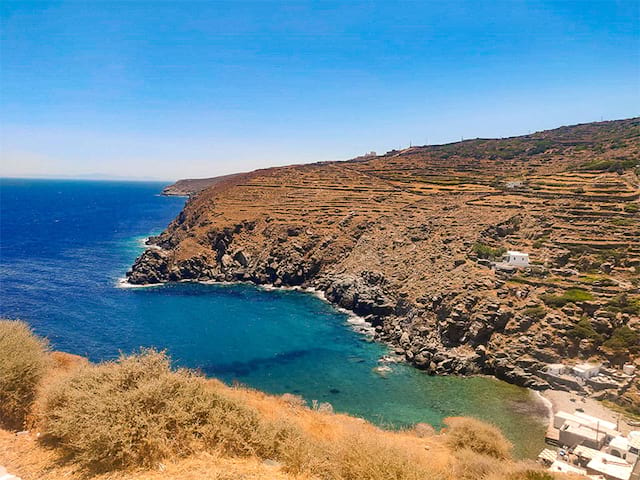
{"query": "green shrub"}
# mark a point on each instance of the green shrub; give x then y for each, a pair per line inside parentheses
(631, 208)
(485, 251)
(468, 433)
(23, 363)
(612, 165)
(569, 296)
(623, 340)
(577, 295)
(535, 312)
(584, 330)
(625, 304)
(137, 411)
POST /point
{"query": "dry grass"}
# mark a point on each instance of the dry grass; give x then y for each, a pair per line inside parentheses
(138, 419)
(137, 412)
(23, 363)
(478, 437)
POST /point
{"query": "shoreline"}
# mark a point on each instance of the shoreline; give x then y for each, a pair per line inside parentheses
(360, 326)
(552, 399)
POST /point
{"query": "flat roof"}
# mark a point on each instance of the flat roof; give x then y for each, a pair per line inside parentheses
(590, 422)
(603, 424)
(565, 467)
(515, 252)
(583, 431)
(587, 366)
(611, 466)
(585, 452)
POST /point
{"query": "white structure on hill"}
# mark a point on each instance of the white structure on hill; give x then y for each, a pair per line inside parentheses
(586, 370)
(516, 259)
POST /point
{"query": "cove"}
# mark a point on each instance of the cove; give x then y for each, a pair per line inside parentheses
(65, 244)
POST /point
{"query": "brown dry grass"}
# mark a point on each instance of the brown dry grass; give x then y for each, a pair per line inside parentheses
(23, 363)
(276, 439)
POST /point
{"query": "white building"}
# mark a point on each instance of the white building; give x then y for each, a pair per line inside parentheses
(556, 369)
(563, 467)
(627, 448)
(517, 259)
(586, 370)
(613, 468)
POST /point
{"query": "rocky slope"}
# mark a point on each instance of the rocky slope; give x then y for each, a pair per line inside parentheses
(397, 238)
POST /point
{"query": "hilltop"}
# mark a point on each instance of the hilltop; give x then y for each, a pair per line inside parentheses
(403, 238)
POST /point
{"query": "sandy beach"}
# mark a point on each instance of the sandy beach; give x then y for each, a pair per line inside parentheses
(569, 402)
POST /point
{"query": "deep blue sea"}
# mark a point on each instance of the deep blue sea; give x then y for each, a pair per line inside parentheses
(65, 244)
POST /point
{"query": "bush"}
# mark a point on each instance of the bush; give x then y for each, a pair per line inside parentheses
(583, 329)
(610, 165)
(485, 251)
(577, 295)
(137, 411)
(623, 340)
(23, 363)
(535, 312)
(471, 434)
(625, 304)
(631, 208)
(355, 456)
(570, 296)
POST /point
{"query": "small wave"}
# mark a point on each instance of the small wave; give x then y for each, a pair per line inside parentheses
(123, 283)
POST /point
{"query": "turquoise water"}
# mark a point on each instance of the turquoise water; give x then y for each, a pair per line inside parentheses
(64, 245)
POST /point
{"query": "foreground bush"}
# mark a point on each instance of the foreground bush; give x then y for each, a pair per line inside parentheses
(137, 411)
(23, 363)
(357, 455)
(470, 434)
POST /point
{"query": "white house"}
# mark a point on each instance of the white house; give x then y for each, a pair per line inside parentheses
(517, 259)
(612, 467)
(586, 370)
(626, 448)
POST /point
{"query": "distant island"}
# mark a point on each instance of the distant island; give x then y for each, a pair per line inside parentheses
(422, 243)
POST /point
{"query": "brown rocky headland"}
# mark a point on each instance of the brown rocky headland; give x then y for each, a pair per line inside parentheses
(405, 239)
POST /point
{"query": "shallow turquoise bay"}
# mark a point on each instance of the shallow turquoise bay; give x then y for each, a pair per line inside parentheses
(64, 245)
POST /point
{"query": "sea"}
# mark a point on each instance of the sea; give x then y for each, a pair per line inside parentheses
(65, 245)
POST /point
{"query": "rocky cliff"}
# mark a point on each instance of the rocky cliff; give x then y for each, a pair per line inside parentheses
(404, 239)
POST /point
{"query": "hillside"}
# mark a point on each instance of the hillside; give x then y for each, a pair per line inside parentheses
(397, 238)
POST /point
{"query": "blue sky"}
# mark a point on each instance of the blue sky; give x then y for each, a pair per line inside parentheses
(173, 89)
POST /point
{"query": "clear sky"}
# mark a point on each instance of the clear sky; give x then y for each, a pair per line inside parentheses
(174, 89)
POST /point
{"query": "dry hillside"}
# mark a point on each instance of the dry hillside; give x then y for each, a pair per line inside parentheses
(397, 238)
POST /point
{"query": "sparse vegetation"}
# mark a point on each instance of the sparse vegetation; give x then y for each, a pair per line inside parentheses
(486, 251)
(23, 363)
(632, 208)
(535, 312)
(479, 437)
(623, 341)
(624, 303)
(584, 330)
(137, 411)
(610, 165)
(572, 295)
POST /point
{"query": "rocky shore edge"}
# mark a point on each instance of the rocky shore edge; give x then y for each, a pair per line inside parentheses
(366, 296)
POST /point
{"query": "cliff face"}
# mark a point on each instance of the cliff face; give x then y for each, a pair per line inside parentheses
(396, 238)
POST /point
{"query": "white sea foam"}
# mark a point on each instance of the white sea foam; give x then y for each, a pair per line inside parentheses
(123, 283)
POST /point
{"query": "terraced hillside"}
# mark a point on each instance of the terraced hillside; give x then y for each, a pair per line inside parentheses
(397, 238)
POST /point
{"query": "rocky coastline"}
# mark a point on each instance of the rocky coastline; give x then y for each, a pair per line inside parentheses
(404, 241)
